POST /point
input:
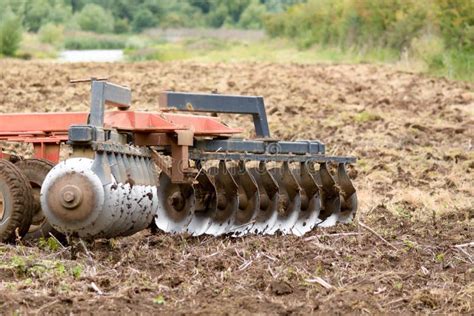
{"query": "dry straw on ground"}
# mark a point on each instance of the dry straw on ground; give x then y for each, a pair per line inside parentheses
(411, 251)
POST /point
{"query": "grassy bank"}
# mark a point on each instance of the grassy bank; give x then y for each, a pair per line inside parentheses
(448, 63)
(438, 34)
(206, 47)
(270, 50)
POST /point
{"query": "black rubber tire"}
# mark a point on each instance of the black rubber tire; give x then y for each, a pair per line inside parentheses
(17, 202)
(36, 171)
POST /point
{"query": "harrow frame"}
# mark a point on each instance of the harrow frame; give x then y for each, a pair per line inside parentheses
(122, 143)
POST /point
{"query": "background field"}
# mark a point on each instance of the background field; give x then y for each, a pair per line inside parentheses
(413, 135)
(430, 36)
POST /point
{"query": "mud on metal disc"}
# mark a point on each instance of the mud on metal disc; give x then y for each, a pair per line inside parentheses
(176, 204)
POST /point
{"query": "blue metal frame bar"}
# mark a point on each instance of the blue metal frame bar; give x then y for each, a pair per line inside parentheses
(203, 156)
(219, 103)
(260, 147)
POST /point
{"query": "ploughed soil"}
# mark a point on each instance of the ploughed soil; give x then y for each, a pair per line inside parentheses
(408, 251)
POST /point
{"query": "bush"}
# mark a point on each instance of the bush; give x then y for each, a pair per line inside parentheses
(252, 16)
(428, 48)
(165, 52)
(51, 34)
(95, 19)
(36, 14)
(367, 23)
(94, 41)
(143, 19)
(10, 34)
(121, 26)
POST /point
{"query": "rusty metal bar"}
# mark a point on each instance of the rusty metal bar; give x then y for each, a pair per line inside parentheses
(48, 151)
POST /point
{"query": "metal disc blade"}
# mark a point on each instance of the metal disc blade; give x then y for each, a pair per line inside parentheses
(227, 201)
(249, 200)
(289, 200)
(199, 224)
(175, 206)
(348, 210)
(309, 218)
(267, 214)
(348, 195)
(206, 204)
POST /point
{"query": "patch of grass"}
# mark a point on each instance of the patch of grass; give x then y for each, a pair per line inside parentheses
(403, 212)
(77, 271)
(32, 48)
(440, 257)
(366, 116)
(159, 300)
(83, 40)
(409, 245)
(455, 65)
(51, 244)
(398, 286)
(163, 52)
(269, 50)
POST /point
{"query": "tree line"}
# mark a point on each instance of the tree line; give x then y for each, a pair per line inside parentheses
(123, 16)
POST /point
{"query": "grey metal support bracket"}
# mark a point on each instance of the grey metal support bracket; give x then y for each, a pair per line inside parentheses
(219, 103)
(102, 93)
(105, 92)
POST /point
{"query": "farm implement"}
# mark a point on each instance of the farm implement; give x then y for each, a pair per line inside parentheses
(180, 172)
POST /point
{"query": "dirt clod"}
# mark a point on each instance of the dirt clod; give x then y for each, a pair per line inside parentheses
(281, 288)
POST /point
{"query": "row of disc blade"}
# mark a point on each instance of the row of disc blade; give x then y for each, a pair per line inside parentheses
(237, 200)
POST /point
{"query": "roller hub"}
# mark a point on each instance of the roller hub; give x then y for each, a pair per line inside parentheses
(71, 197)
(177, 201)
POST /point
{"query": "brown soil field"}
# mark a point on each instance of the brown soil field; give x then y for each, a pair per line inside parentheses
(406, 251)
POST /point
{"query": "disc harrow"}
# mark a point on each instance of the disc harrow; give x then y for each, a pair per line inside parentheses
(183, 173)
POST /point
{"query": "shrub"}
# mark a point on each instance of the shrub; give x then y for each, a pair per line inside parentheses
(367, 23)
(121, 26)
(95, 19)
(51, 34)
(252, 16)
(36, 14)
(94, 41)
(10, 34)
(143, 19)
(165, 52)
(428, 48)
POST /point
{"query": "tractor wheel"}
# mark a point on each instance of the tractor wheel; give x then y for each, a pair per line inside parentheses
(16, 202)
(36, 171)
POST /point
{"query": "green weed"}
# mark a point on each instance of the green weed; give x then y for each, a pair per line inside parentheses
(76, 272)
(50, 244)
(366, 116)
(159, 300)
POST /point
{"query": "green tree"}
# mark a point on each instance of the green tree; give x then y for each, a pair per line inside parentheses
(36, 14)
(180, 13)
(59, 13)
(121, 26)
(143, 19)
(51, 34)
(10, 33)
(226, 12)
(203, 5)
(252, 16)
(94, 18)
